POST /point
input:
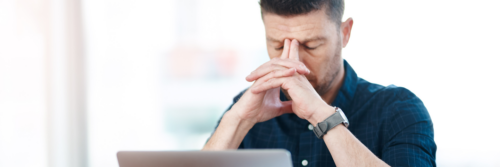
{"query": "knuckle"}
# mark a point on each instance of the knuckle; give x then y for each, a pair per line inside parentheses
(274, 74)
(302, 65)
(274, 66)
(276, 62)
(295, 62)
(280, 73)
(271, 81)
(285, 86)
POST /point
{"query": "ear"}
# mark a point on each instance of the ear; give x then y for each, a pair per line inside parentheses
(345, 29)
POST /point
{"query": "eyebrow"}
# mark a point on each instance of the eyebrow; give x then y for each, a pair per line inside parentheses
(304, 41)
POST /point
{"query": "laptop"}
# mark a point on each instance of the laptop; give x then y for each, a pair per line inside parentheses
(233, 158)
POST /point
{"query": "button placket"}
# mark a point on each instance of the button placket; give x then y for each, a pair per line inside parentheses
(304, 162)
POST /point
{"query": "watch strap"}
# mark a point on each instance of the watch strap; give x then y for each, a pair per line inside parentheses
(329, 123)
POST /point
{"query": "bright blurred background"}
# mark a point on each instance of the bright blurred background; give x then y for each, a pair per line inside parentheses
(82, 79)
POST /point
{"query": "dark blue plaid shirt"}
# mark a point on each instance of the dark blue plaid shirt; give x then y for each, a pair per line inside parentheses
(391, 121)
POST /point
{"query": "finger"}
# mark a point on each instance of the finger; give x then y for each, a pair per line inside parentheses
(286, 49)
(264, 70)
(276, 74)
(277, 64)
(294, 50)
(301, 68)
(269, 84)
(286, 107)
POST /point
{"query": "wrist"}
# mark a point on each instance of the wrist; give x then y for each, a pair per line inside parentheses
(233, 119)
(229, 133)
(321, 114)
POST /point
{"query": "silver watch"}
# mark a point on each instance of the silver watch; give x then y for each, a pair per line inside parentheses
(337, 118)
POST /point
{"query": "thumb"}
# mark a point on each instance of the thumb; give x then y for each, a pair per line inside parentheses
(286, 107)
(294, 50)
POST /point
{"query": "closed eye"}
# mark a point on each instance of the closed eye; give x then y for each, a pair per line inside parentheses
(311, 45)
(279, 48)
(311, 48)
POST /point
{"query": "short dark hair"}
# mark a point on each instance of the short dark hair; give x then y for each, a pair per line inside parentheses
(334, 8)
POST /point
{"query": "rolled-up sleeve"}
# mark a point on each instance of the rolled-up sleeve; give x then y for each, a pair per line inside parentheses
(409, 133)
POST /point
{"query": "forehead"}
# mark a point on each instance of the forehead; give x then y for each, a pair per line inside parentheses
(315, 24)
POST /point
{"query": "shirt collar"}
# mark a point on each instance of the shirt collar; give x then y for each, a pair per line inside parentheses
(346, 93)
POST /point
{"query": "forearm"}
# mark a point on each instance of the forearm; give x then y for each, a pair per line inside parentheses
(347, 150)
(229, 133)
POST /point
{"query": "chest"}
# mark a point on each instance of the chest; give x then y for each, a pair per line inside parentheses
(306, 149)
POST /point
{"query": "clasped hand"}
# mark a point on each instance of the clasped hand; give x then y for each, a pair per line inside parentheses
(261, 101)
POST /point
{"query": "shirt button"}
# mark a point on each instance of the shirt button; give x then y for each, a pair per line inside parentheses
(304, 162)
(310, 127)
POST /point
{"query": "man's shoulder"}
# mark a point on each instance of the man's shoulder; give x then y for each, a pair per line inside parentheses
(393, 103)
(367, 91)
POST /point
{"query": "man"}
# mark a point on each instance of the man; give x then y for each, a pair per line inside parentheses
(308, 100)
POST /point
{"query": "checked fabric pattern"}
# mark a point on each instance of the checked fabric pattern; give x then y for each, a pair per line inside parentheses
(391, 121)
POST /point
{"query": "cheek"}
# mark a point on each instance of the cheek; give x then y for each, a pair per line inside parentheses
(273, 52)
(318, 61)
(315, 66)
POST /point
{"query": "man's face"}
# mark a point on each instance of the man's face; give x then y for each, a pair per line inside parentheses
(320, 44)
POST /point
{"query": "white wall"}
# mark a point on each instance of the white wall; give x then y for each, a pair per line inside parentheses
(146, 59)
(22, 85)
(446, 53)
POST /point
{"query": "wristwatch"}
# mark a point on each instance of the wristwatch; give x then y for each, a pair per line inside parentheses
(337, 118)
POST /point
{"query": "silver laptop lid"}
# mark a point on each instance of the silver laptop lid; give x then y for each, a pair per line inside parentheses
(234, 158)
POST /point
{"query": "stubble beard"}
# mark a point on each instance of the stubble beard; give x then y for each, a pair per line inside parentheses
(332, 72)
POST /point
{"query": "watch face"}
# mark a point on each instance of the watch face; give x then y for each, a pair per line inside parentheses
(346, 122)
